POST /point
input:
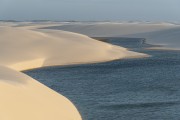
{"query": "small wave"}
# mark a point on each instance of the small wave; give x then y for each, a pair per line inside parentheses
(140, 105)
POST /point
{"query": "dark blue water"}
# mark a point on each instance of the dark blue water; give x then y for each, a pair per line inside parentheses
(129, 89)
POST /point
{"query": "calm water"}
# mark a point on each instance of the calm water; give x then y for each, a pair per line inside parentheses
(131, 89)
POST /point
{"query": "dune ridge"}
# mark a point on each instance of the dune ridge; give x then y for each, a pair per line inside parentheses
(22, 48)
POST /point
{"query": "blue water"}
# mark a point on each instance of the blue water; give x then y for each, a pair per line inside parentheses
(129, 89)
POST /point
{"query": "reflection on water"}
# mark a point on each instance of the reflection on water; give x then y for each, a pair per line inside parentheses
(129, 89)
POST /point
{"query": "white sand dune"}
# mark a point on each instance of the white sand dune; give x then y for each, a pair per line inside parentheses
(165, 34)
(23, 98)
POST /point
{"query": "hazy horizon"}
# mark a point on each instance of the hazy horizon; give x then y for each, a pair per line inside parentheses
(91, 10)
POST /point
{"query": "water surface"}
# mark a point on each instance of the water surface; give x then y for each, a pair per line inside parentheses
(128, 89)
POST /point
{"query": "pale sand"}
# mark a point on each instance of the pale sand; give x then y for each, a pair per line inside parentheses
(165, 34)
(21, 48)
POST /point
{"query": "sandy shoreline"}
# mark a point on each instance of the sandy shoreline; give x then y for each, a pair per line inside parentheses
(26, 47)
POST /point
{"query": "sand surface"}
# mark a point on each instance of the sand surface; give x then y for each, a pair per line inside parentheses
(25, 47)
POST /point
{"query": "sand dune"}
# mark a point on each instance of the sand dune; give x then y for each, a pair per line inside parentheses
(51, 47)
(21, 48)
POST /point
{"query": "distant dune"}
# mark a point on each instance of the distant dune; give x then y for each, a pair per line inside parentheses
(165, 34)
(24, 47)
(111, 29)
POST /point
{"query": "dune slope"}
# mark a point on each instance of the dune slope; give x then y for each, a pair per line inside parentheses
(23, 98)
